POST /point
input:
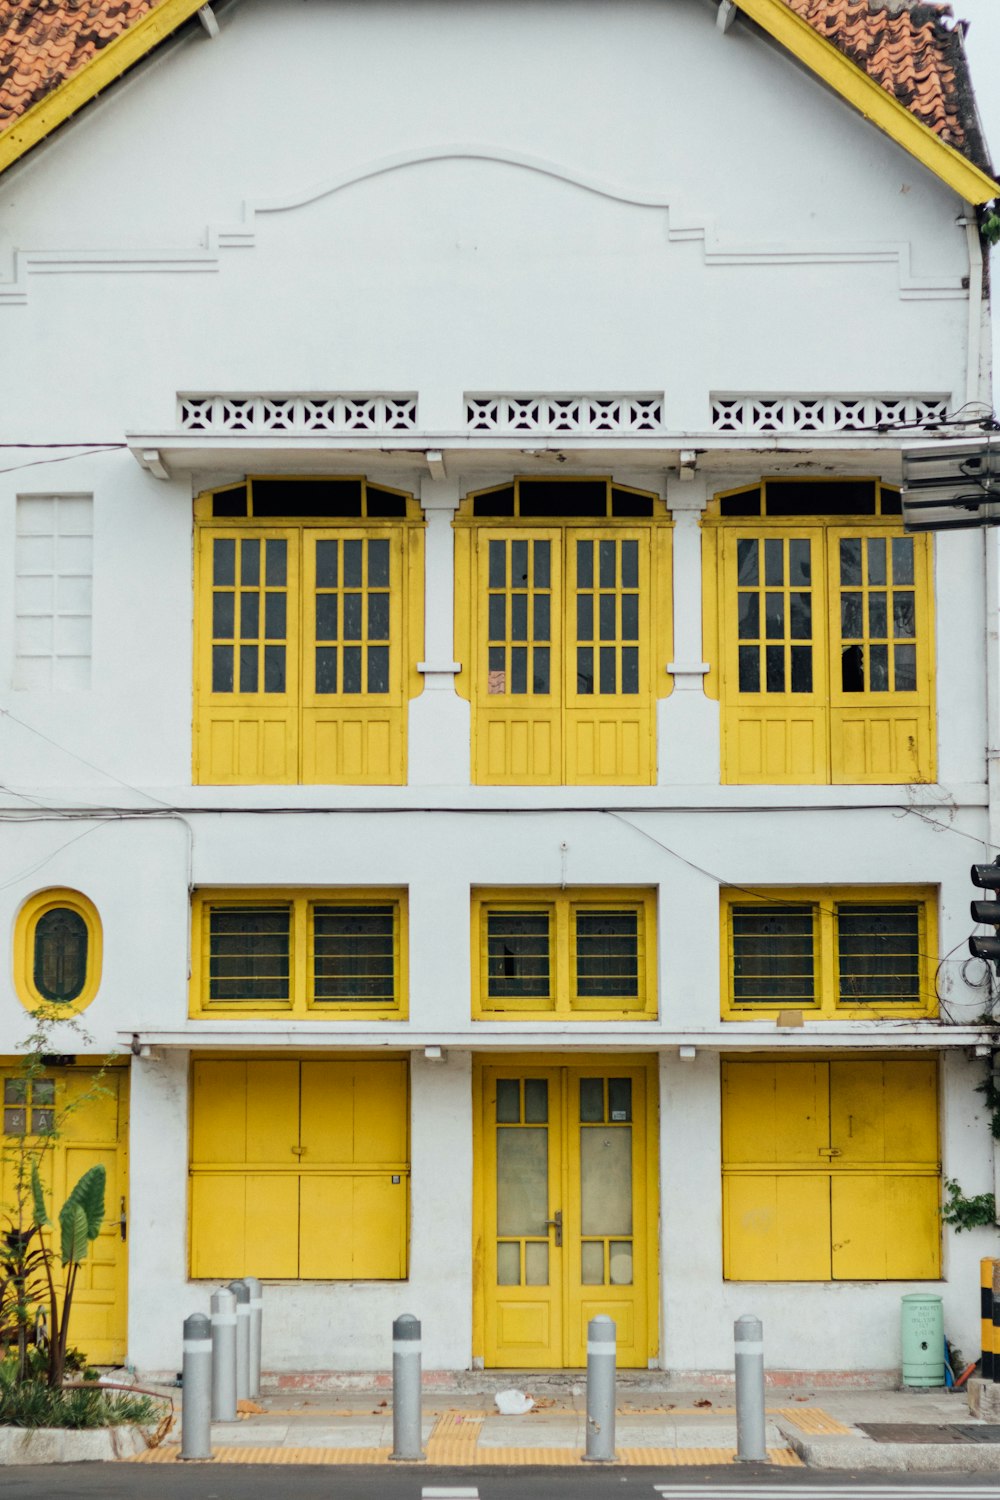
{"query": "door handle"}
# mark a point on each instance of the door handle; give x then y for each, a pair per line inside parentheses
(830, 1151)
(298, 1150)
(123, 1221)
(556, 1223)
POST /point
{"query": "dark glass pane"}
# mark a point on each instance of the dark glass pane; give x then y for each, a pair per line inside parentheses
(585, 617)
(383, 503)
(223, 606)
(630, 669)
(774, 560)
(222, 669)
(576, 497)
(749, 669)
(541, 679)
(307, 497)
(326, 617)
(543, 562)
(248, 669)
(498, 565)
(585, 565)
(876, 560)
(877, 623)
(498, 503)
(378, 563)
(43, 1091)
(747, 561)
(274, 669)
(223, 561)
(630, 617)
(879, 954)
(585, 669)
(607, 614)
(892, 502)
(852, 669)
(250, 562)
(274, 616)
(630, 565)
(276, 562)
(508, 1101)
(378, 669)
(61, 944)
(810, 497)
(326, 564)
(775, 668)
(378, 617)
(852, 625)
(906, 669)
(536, 1101)
(353, 563)
(773, 955)
(799, 560)
(904, 621)
(619, 1099)
(497, 680)
(802, 669)
(352, 669)
(354, 955)
(607, 954)
(326, 669)
(748, 608)
(519, 669)
(352, 617)
(878, 664)
(519, 617)
(902, 559)
(624, 503)
(43, 1121)
(518, 563)
(608, 669)
(498, 617)
(801, 612)
(249, 614)
(591, 1100)
(745, 503)
(542, 621)
(774, 615)
(850, 561)
(15, 1091)
(608, 564)
(249, 950)
(517, 955)
(230, 502)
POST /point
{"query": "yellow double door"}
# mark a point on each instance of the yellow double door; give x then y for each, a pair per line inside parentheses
(566, 1224)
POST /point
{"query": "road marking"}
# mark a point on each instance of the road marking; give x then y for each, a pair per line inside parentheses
(827, 1491)
(443, 1492)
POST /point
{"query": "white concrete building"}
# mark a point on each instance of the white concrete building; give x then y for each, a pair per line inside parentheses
(477, 742)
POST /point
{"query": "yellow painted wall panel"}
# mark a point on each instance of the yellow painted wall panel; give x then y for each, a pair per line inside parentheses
(885, 1111)
(885, 1227)
(219, 1112)
(777, 1228)
(353, 1227)
(218, 1224)
(774, 1112)
(327, 1114)
(380, 1112)
(272, 1112)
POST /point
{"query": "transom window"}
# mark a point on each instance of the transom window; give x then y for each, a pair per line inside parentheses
(829, 952)
(570, 951)
(314, 952)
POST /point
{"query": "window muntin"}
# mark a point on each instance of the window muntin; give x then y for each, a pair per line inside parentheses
(863, 953)
(29, 1106)
(878, 616)
(556, 954)
(321, 953)
(57, 951)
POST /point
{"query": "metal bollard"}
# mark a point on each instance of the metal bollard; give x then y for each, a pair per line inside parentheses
(601, 1337)
(223, 1356)
(196, 1383)
(986, 1318)
(241, 1292)
(751, 1433)
(995, 1319)
(406, 1388)
(256, 1321)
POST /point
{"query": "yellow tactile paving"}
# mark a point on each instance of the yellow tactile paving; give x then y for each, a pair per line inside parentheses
(470, 1456)
(454, 1437)
(259, 1454)
(812, 1419)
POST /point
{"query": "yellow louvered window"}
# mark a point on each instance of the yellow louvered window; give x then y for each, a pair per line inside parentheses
(819, 631)
(308, 629)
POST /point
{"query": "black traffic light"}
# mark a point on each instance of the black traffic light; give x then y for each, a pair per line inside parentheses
(987, 877)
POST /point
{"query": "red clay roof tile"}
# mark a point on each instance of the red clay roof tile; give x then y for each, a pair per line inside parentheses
(45, 42)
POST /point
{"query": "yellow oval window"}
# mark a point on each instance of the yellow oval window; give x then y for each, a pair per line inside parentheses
(57, 951)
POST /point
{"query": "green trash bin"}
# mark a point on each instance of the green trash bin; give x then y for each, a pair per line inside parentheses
(923, 1339)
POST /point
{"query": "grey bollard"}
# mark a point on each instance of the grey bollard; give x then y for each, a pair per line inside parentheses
(256, 1321)
(223, 1356)
(751, 1433)
(601, 1335)
(196, 1382)
(241, 1292)
(406, 1388)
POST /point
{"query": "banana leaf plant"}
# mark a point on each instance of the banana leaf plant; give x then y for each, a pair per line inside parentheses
(80, 1220)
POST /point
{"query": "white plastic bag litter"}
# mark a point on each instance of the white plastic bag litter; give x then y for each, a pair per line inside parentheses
(513, 1403)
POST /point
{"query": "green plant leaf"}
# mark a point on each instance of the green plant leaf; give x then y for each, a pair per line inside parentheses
(89, 1196)
(75, 1239)
(41, 1216)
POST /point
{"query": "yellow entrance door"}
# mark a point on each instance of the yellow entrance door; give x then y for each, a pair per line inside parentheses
(565, 1213)
(91, 1120)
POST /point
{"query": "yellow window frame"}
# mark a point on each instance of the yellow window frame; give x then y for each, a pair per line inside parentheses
(23, 950)
(824, 901)
(827, 736)
(562, 908)
(299, 736)
(301, 907)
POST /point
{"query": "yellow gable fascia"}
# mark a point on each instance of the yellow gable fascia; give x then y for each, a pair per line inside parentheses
(110, 63)
(871, 99)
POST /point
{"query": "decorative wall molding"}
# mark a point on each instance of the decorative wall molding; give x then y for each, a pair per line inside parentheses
(298, 414)
(756, 414)
(564, 414)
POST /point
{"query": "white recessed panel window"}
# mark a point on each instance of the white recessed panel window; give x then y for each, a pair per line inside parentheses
(52, 598)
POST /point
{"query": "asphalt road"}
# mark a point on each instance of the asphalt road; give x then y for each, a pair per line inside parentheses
(296, 1482)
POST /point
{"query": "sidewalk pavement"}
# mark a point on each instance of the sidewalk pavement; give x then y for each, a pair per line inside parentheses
(654, 1427)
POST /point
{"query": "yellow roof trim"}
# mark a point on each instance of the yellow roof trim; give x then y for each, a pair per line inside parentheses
(854, 85)
(110, 63)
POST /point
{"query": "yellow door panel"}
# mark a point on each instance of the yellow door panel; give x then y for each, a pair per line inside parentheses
(884, 1111)
(247, 746)
(353, 748)
(272, 1112)
(219, 1112)
(610, 747)
(519, 748)
(380, 1112)
(239, 1220)
(886, 1227)
(777, 1227)
(354, 1227)
(775, 747)
(881, 746)
(775, 1113)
